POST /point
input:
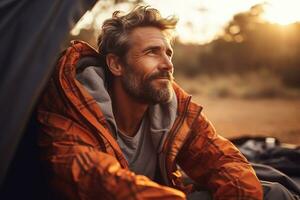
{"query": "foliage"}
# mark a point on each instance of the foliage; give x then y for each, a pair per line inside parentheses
(248, 44)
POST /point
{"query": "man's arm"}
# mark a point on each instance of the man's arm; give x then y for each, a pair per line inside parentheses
(78, 169)
(215, 164)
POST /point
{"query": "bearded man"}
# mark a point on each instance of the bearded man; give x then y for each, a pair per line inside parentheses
(114, 124)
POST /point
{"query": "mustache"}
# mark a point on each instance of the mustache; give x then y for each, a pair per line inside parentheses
(162, 74)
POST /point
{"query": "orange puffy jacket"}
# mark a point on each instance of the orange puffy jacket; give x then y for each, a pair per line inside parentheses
(84, 161)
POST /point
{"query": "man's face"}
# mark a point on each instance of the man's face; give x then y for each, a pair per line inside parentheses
(148, 70)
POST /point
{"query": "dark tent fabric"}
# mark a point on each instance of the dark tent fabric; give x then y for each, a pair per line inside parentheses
(32, 34)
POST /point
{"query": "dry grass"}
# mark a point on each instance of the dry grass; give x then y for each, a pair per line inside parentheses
(266, 117)
(244, 106)
(250, 86)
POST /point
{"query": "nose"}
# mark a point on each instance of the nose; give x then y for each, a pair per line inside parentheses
(166, 64)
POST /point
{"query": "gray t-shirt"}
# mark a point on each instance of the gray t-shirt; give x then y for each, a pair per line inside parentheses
(139, 150)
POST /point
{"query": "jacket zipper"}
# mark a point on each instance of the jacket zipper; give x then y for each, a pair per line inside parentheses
(171, 137)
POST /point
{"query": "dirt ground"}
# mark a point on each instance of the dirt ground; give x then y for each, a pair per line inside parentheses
(279, 118)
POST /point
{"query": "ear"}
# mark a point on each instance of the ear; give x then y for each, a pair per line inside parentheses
(114, 64)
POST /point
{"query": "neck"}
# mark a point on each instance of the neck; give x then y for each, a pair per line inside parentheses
(128, 111)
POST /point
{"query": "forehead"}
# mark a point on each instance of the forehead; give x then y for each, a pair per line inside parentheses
(148, 36)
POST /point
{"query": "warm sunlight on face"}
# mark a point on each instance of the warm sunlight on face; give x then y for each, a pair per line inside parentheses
(282, 12)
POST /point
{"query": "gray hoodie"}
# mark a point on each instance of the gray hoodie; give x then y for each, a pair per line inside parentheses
(142, 149)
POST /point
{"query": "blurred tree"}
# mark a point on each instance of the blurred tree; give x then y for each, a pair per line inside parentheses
(249, 43)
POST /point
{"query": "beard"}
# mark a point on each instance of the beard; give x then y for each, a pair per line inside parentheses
(151, 90)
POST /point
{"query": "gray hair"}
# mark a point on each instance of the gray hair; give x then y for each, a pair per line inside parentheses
(115, 31)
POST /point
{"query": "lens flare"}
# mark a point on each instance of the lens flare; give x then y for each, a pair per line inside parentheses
(282, 12)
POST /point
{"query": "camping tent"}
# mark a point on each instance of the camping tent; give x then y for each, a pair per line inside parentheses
(32, 34)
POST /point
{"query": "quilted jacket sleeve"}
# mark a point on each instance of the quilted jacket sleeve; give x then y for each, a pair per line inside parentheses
(215, 164)
(78, 169)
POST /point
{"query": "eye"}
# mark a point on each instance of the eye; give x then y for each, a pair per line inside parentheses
(152, 51)
(169, 53)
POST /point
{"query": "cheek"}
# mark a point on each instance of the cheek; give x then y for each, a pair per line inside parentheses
(145, 69)
(136, 73)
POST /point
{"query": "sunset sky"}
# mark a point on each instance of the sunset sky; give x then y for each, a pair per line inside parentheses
(200, 21)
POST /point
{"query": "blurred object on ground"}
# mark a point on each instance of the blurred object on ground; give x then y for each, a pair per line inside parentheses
(272, 161)
(269, 151)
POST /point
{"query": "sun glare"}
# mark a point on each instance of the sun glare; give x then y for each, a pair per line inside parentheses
(282, 12)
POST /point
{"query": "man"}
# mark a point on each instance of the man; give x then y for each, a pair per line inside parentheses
(114, 125)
